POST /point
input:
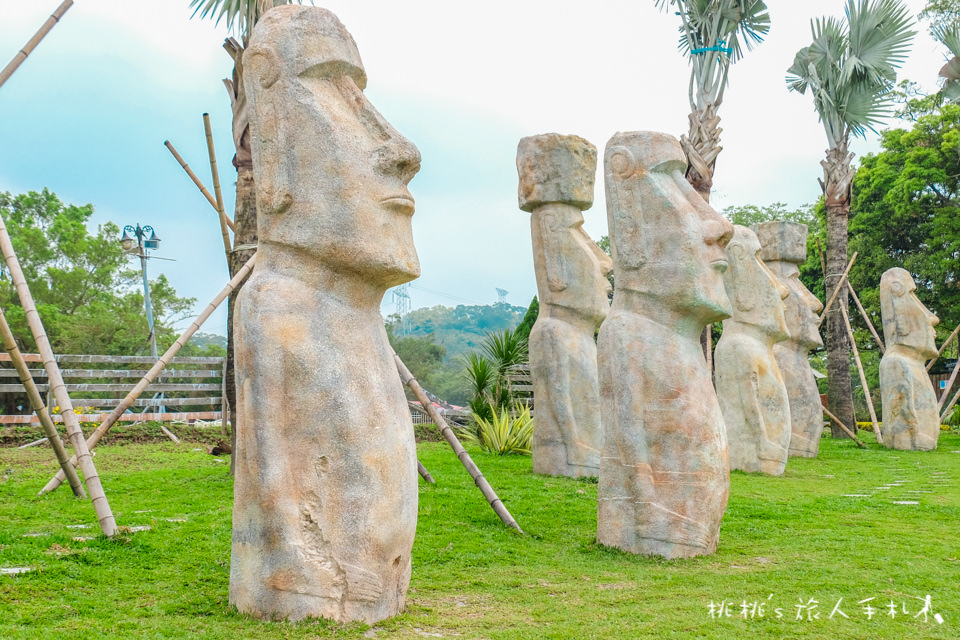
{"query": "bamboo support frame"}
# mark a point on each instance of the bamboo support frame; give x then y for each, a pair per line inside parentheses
(836, 292)
(422, 470)
(844, 428)
(145, 381)
(823, 263)
(863, 376)
(953, 401)
(101, 505)
(216, 186)
(196, 181)
(36, 401)
(866, 318)
(943, 347)
(495, 502)
(949, 387)
(28, 48)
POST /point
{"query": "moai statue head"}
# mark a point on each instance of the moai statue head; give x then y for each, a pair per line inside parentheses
(556, 185)
(757, 295)
(667, 242)
(906, 322)
(784, 246)
(331, 173)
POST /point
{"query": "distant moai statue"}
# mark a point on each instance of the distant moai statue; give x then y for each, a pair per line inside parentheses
(325, 497)
(911, 416)
(556, 185)
(664, 470)
(752, 394)
(783, 250)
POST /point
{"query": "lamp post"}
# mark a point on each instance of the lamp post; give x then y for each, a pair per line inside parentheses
(138, 239)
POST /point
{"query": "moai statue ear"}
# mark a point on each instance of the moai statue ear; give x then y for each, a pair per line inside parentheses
(261, 72)
(745, 298)
(552, 230)
(626, 235)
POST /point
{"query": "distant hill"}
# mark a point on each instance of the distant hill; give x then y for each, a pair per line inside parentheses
(461, 329)
(201, 340)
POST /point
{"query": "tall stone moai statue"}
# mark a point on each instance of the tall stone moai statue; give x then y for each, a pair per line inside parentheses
(783, 250)
(664, 470)
(325, 497)
(911, 416)
(556, 186)
(752, 393)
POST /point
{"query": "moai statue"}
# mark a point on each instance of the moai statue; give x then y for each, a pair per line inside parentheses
(325, 496)
(556, 185)
(664, 470)
(783, 250)
(752, 395)
(911, 416)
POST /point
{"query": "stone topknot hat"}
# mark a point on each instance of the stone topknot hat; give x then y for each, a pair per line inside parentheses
(785, 241)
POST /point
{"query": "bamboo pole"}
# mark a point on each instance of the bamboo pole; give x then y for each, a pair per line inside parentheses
(866, 318)
(844, 427)
(145, 381)
(495, 502)
(949, 387)
(424, 473)
(100, 503)
(196, 181)
(942, 347)
(839, 288)
(216, 185)
(863, 376)
(36, 401)
(956, 397)
(34, 41)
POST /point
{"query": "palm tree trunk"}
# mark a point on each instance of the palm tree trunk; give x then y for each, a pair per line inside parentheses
(245, 216)
(702, 146)
(838, 177)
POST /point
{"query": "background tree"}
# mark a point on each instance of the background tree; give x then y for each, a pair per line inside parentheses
(850, 69)
(88, 297)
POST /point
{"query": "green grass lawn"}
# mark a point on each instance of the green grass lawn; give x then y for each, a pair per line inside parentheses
(786, 542)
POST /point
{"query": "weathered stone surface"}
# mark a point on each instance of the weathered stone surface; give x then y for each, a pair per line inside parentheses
(664, 470)
(555, 168)
(750, 386)
(325, 497)
(911, 418)
(783, 250)
(572, 287)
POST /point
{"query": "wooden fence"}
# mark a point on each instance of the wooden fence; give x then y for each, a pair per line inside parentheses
(193, 387)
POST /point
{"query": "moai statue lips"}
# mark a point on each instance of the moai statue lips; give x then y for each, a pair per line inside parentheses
(784, 248)
(664, 469)
(753, 397)
(911, 416)
(556, 183)
(325, 496)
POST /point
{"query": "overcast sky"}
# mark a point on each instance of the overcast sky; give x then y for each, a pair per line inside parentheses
(87, 113)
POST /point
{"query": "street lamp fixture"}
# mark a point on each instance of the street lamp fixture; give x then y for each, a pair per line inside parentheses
(137, 240)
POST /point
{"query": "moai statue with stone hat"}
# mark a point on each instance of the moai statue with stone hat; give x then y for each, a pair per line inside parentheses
(911, 417)
(783, 248)
(325, 497)
(664, 470)
(752, 394)
(556, 186)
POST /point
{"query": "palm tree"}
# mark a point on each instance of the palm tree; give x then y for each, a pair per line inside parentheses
(710, 36)
(711, 33)
(850, 69)
(240, 16)
(949, 36)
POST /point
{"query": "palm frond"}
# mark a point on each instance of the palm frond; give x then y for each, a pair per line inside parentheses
(240, 15)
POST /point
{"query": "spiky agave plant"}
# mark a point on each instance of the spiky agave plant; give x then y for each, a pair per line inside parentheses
(502, 433)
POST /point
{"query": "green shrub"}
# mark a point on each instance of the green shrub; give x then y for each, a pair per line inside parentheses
(501, 433)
